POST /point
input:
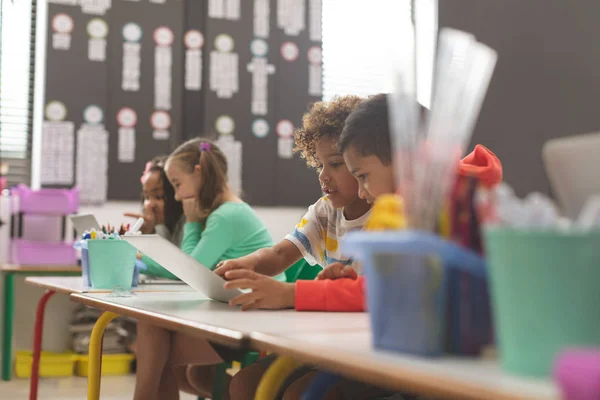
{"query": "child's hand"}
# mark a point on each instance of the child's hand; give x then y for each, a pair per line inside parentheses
(336, 271)
(244, 263)
(191, 209)
(149, 219)
(267, 293)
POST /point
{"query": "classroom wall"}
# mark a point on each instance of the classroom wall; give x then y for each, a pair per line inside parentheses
(279, 221)
(128, 80)
(546, 80)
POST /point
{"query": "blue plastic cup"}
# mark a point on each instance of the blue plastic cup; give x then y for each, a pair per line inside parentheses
(111, 264)
(406, 274)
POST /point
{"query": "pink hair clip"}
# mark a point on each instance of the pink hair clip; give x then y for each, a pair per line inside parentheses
(204, 146)
(146, 170)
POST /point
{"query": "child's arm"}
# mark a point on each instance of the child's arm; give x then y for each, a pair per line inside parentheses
(322, 295)
(269, 261)
(153, 268)
(207, 245)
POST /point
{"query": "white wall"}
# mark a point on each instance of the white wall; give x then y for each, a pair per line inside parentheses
(279, 221)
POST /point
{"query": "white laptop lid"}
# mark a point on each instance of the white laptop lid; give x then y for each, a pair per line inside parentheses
(183, 266)
(84, 222)
(573, 168)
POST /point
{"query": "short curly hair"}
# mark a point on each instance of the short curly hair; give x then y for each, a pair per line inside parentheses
(325, 119)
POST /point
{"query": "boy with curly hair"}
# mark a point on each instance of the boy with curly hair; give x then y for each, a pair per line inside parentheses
(316, 237)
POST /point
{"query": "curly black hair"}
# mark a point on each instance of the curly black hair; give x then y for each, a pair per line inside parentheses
(325, 119)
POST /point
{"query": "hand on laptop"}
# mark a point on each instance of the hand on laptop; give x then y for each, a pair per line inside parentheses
(336, 271)
(243, 263)
(267, 293)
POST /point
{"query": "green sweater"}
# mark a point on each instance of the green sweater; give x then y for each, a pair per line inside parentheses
(232, 231)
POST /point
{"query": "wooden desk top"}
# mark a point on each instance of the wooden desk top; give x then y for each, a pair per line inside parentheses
(196, 315)
(39, 268)
(74, 284)
(351, 354)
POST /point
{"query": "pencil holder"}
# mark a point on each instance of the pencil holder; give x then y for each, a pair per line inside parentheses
(545, 294)
(407, 281)
(111, 264)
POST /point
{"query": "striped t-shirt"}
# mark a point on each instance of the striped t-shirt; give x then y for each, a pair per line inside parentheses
(317, 235)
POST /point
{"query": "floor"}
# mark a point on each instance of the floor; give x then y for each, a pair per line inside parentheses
(113, 388)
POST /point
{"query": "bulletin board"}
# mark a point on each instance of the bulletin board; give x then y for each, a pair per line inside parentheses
(129, 79)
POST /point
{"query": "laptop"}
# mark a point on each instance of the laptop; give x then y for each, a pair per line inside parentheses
(84, 222)
(183, 266)
(572, 165)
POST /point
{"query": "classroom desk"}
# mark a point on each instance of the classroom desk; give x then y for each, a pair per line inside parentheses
(68, 286)
(352, 355)
(194, 314)
(339, 342)
(9, 271)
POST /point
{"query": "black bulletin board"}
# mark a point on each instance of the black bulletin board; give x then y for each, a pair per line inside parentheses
(268, 175)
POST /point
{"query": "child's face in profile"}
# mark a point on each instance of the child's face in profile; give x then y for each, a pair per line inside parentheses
(186, 184)
(154, 195)
(336, 182)
(374, 178)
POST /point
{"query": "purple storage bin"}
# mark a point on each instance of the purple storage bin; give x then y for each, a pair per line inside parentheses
(28, 252)
(46, 201)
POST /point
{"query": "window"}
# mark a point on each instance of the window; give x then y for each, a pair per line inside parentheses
(359, 39)
(17, 21)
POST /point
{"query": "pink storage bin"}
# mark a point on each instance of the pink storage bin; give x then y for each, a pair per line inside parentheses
(28, 252)
(46, 201)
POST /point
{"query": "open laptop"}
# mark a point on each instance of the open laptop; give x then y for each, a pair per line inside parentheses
(183, 266)
(573, 168)
(84, 222)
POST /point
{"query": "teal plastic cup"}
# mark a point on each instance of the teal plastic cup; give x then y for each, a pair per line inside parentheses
(111, 264)
(545, 295)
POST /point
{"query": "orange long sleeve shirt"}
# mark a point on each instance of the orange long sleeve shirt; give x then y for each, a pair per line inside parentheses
(349, 294)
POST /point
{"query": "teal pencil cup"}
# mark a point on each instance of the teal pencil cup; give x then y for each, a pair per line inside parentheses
(545, 290)
(111, 264)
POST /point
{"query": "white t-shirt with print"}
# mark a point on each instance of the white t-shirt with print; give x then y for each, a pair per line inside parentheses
(318, 234)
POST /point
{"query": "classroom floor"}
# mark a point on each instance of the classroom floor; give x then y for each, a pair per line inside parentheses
(113, 388)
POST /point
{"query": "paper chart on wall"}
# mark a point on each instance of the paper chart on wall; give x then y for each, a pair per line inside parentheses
(194, 41)
(64, 2)
(233, 152)
(315, 71)
(224, 9)
(224, 79)
(132, 35)
(163, 62)
(98, 7)
(285, 142)
(62, 26)
(97, 29)
(92, 163)
(260, 70)
(126, 119)
(262, 14)
(315, 20)
(58, 151)
(291, 16)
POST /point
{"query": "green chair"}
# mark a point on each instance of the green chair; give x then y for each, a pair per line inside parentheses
(300, 270)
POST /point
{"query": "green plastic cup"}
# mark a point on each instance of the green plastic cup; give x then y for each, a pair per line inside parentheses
(545, 290)
(111, 263)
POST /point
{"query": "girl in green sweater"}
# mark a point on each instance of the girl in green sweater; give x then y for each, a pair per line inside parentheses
(218, 226)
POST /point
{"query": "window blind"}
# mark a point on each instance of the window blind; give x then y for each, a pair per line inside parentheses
(359, 38)
(17, 60)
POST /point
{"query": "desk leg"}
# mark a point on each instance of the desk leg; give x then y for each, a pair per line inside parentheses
(95, 354)
(37, 343)
(9, 306)
(273, 378)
